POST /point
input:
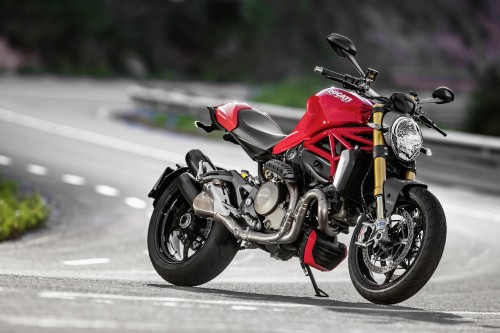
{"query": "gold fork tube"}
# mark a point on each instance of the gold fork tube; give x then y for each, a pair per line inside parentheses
(379, 163)
(410, 174)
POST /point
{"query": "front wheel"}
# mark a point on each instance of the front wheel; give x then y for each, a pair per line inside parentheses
(187, 250)
(394, 271)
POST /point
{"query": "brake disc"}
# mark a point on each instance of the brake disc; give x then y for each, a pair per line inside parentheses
(390, 257)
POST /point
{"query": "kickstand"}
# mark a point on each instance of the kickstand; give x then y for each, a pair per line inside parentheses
(308, 272)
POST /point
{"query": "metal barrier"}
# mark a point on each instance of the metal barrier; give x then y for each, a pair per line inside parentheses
(459, 159)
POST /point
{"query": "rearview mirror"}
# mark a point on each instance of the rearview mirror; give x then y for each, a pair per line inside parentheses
(445, 95)
(341, 45)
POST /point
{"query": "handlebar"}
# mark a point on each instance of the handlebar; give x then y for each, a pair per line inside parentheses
(346, 79)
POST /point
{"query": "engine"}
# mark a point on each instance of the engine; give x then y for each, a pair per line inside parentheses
(265, 206)
(270, 203)
(270, 208)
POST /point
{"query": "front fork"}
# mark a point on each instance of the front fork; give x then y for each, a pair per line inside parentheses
(380, 233)
(379, 163)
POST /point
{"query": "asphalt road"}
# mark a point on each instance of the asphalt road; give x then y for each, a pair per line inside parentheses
(88, 269)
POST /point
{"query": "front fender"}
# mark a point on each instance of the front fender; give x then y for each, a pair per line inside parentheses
(392, 191)
(165, 179)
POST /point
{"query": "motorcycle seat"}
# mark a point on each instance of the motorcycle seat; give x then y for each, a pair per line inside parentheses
(258, 129)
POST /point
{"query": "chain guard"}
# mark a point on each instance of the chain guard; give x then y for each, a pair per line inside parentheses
(389, 261)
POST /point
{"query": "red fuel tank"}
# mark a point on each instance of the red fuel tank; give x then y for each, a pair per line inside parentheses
(330, 108)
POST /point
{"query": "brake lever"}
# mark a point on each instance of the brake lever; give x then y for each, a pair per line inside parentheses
(443, 133)
(429, 123)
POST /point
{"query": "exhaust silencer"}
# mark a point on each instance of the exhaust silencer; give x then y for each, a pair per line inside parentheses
(193, 158)
(189, 187)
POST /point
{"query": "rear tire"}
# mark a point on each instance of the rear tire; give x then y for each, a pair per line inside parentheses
(207, 262)
(419, 267)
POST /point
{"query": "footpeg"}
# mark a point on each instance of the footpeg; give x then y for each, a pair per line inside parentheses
(205, 127)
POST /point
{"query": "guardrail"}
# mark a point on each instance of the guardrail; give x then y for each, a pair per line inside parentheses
(459, 159)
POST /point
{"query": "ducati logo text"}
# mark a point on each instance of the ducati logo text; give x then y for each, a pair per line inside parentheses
(339, 95)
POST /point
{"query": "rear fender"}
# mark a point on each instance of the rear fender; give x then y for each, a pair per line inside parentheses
(392, 191)
(167, 177)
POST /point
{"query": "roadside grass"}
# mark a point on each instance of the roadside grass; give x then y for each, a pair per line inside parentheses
(19, 211)
(292, 93)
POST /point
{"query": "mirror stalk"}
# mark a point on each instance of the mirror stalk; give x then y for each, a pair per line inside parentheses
(430, 101)
(355, 64)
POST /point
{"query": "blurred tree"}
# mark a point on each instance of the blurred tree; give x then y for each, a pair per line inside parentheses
(256, 40)
(483, 115)
(67, 36)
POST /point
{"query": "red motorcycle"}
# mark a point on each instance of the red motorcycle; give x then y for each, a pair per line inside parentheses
(349, 162)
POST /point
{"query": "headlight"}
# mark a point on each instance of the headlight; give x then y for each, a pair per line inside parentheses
(406, 139)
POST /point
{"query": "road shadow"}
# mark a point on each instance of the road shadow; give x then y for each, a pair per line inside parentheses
(382, 311)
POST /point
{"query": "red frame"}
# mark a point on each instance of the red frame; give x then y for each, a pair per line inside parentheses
(335, 135)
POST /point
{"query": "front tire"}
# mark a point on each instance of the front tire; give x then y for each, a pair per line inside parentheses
(421, 259)
(184, 249)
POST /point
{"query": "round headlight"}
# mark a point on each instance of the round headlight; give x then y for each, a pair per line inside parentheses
(406, 139)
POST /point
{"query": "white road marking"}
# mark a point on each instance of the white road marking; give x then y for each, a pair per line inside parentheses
(52, 322)
(81, 262)
(247, 304)
(37, 169)
(107, 190)
(92, 137)
(5, 160)
(101, 325)
(135, 203)
(104, 301)
(243, 307)
(278, 310)
(73, 180)
(169, 304)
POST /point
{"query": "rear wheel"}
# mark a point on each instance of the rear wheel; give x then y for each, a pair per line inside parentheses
(184, 249)
(392, 272)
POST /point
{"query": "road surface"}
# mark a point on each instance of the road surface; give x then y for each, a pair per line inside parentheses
(88, 269)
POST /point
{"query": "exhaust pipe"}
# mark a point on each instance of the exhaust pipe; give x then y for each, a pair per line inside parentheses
(208, 204)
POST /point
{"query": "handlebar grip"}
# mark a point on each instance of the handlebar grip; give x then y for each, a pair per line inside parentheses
(319, 70)
(324, 71)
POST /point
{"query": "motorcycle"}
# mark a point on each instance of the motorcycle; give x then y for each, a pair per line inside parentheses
(349, 163)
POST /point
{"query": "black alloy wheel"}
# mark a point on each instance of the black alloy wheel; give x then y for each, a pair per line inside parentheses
(392, 272)
(187, 250)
